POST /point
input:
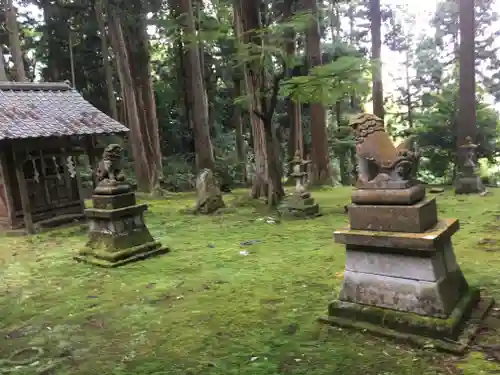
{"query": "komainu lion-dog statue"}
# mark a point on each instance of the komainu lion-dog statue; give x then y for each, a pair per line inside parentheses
(380, 163)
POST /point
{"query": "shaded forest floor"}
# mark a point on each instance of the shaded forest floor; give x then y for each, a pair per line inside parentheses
(237, 295)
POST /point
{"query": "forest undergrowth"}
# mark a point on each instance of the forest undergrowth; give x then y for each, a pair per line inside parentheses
(238, 294)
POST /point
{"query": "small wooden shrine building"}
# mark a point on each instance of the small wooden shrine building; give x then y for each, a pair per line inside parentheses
(43, 129)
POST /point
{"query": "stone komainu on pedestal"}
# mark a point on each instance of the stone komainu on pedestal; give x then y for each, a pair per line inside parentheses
(117, 231)
(401, 277)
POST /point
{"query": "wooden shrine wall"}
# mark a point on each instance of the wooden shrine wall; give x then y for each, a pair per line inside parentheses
(4, 210)
(52, 191)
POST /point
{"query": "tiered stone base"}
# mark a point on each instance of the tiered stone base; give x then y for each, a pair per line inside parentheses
(401, 276)
(297, 207)
(117, 232)
(469, 185)
(453, 334)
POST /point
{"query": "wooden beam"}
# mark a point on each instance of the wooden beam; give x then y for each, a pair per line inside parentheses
(23, 193)
(7, 181)
(93, 158)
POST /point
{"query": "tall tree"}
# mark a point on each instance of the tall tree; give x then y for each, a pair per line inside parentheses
(295, 136)
(15, 41)
(376, 33)
(197, 91)
(267, 180)
(108, 72)
(321, 168)
(467, 89)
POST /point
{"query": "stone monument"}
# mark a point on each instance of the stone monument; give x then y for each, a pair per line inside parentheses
(301, 204)
(117, 231)
(209, 196)
(401, 277)
(468, 182)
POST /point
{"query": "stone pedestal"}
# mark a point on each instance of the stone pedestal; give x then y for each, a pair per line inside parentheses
(117, 231)
(401, 277)
(468, 182)
(299, 207)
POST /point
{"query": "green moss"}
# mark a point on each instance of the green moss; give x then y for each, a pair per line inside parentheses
(432, 327)
(207, 309)
(476, 364)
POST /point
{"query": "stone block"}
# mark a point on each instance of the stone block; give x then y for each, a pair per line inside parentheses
(109, 202)
(416, 218)
(382, 182)
(112, 188)
(445, 334)
(110, 259)
(469, 185)
(297, 207)
(115, 214)
(421, 297)
(427, 241)
(428, 267)
(406, 196)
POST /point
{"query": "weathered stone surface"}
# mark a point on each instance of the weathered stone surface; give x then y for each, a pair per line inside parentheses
(381, 183)
(113, 201)
(117, 231)
(112, 188)
(416, 218)
(209, 196)
(381, 165)
(426, 241)
(427, 268)
(411, 323)
(407, 196)
(469, 185)
(114, 214)
(428, 298)
(422, 331)
(298, 208)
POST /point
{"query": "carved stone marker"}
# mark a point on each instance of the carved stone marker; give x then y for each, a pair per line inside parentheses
(468, 182)
(301, 204)
(401, 277)
(117, 231)
(209, 196)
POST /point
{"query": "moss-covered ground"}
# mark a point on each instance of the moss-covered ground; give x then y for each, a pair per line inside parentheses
(238, 294)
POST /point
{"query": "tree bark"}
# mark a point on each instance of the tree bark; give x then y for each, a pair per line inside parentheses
(467, 89)
(267, 180)
(377, 88)
(15, 41)
(200, 118)
(141, 165)
(99, 9)
(238, 123)
(295, 136)
(321, 171)
(3, 72)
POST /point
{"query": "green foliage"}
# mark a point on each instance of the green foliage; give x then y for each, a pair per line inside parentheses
(436, 133)
(330, 82)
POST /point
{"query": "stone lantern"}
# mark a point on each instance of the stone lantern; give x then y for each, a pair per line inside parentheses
(300, 204)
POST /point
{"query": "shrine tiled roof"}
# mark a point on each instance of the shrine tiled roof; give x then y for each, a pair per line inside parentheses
(40, 110)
